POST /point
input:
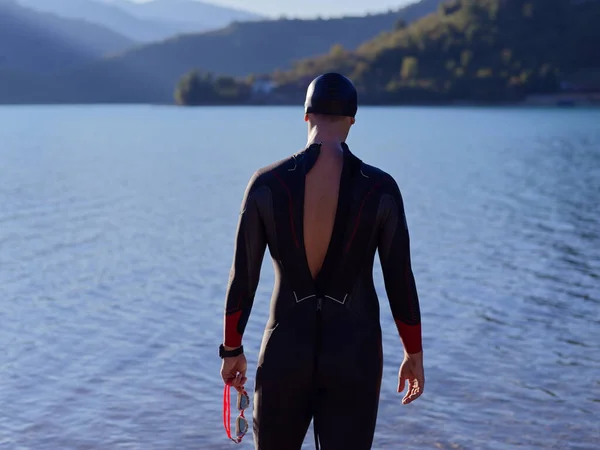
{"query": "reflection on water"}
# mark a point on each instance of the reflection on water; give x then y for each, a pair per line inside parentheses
(116, 232)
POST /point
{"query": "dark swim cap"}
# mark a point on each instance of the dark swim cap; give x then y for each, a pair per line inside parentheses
(331, 94)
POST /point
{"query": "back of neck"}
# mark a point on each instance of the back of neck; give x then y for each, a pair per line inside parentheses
(329, 141)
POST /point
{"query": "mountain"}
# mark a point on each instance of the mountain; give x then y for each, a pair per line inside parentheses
(106, 15)
(36, 42)
(149, 73)
(191, 15)
(144, 22)
(479, 50)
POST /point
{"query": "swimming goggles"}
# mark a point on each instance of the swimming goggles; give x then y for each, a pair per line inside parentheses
(241, 423)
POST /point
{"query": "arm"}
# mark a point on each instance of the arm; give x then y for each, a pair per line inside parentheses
(245, 271)
(394, 254)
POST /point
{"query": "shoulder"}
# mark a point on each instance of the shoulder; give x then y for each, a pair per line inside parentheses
(265, 175)
(263, 179)
(382, 180)
(391, 203)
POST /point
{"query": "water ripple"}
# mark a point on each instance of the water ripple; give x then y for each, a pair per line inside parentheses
(116, 239)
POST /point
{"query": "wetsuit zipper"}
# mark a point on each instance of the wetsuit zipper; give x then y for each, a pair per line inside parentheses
(315, 367)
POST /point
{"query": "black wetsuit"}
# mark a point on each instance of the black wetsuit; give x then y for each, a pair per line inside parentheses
(321, 354)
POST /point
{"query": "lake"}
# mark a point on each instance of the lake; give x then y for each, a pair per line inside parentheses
(116, 237)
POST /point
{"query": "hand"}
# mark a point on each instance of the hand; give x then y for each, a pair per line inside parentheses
(412, 371)
(233, 371)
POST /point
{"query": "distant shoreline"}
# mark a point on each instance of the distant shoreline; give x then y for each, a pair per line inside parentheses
(546, 102)
(558, 99)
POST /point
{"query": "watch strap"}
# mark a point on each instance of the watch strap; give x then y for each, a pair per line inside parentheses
(230, 353)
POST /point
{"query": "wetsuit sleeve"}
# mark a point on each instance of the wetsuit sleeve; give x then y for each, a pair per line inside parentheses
(394, 254)
(249, 250)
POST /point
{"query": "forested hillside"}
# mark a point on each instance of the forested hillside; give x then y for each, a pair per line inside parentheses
(484, 50)
(462, 50)
(149, 73)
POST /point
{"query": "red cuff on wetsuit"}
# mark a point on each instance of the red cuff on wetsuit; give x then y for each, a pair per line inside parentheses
(232, 337)
(411, 336)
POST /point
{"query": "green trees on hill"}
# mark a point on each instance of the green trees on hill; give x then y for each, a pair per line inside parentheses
(203, 88)
(482, 50)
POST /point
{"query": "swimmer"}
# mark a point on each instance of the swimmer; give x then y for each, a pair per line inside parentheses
(323, 213)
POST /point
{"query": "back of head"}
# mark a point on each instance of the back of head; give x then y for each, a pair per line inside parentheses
(331, 94)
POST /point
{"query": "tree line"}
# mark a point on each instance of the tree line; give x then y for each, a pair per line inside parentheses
(197, 88)
(469, 50)
(480, 50)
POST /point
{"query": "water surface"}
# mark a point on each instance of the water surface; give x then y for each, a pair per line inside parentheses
(116, 235)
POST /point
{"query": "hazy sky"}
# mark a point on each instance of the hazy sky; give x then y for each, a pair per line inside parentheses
(312, 8)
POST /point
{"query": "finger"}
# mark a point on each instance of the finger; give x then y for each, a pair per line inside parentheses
(419, 385)
(238, 380)
(228, 377)
(225, 377)
(414, 393)
(406, 399)
(409, 391)
(226, 374)
(401, 383)
(241, 387)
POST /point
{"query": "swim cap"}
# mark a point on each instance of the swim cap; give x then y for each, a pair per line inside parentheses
(333, 94)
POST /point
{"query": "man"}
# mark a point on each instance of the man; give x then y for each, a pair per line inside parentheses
(323, 213)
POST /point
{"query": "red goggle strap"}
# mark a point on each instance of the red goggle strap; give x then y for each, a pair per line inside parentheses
(227, 413)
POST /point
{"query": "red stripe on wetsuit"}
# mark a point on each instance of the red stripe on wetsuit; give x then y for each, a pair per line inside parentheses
(411, 336)
(232, 336)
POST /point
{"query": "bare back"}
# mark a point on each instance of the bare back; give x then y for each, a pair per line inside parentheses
(320, 206)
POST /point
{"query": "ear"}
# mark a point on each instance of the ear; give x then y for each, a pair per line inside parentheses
(306, 117)
(352, 120)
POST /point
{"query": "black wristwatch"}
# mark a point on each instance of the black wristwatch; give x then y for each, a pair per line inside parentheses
(230, 353)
